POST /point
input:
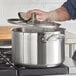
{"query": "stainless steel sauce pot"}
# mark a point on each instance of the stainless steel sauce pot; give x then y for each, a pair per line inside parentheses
(38, 46)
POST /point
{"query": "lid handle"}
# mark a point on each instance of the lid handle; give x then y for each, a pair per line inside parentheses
(33, 17)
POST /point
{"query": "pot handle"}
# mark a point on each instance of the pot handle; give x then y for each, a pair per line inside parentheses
(57, 36)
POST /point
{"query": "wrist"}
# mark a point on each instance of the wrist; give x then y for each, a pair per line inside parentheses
(52, 16)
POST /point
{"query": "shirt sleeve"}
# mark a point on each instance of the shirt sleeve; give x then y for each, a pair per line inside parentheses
(70, 5)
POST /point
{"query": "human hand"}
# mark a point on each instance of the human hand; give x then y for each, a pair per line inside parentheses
(40, 15)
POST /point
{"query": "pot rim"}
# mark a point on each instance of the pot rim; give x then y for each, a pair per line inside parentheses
(35, 29)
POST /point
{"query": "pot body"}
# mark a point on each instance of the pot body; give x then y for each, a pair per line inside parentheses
(34, 49)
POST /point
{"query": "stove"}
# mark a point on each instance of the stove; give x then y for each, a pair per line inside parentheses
(7, 68)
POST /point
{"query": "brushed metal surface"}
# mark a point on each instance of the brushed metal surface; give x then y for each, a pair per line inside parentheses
(28, 49)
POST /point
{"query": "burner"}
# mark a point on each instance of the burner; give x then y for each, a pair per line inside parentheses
(7, 54)
(6, 70)
(24, 71)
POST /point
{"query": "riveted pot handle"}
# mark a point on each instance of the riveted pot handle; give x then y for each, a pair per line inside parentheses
(57, 36)
(52, 36)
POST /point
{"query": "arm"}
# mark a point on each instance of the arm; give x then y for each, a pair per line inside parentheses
(66, 12)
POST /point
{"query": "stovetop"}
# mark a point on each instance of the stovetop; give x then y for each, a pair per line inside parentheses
(9, 69)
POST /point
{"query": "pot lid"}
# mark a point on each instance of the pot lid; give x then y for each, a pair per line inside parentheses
(33, 22)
